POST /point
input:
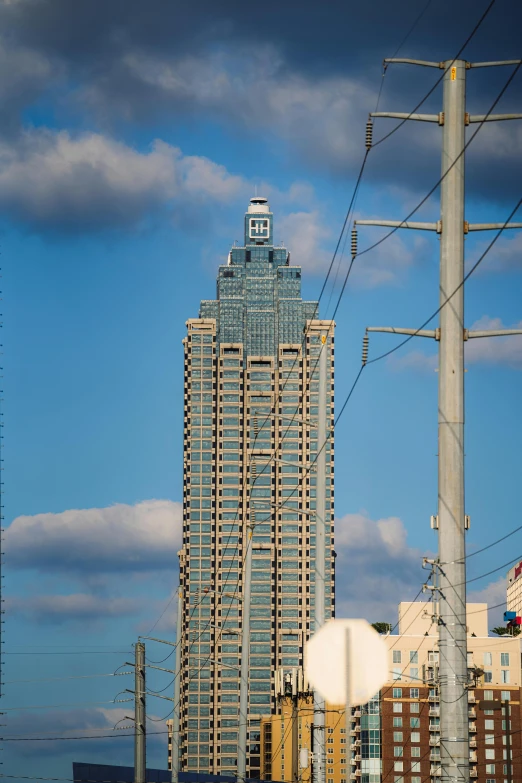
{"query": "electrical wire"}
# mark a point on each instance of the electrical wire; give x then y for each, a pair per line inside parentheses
(73, 677)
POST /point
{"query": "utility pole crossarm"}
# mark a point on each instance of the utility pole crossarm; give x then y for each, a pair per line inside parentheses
(400, 224)
(493, 117)
(490, 226)
(409, 61)
(433, 333)
(494, 63)
(470, 334)
(402, 115)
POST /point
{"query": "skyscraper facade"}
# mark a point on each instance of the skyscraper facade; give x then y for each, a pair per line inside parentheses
(250, 442)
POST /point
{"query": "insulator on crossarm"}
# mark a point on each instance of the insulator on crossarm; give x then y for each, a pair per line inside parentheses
(369, 133)
(366, 340)
(354, 241)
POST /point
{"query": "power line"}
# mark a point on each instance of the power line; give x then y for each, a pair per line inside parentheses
(73, 677)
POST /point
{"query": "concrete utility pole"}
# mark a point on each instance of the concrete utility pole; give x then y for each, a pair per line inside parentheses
(245, 658)
(451, 334)
(176, 713)
(140, 755)
(319, 730)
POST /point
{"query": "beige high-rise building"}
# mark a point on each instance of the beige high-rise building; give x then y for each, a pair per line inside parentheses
(250, 441)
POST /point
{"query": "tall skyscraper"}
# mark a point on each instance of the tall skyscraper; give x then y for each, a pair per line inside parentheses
(250, 441)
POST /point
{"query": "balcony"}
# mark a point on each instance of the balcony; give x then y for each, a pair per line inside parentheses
(471, 698)
(358, 758)
(472, 713)
(433, 697)
(434, 712)
(473, 758)
(434, 756)
(473, 773)
(473, 727)
(435, 741)
(357, 713)
(353, 776)
(473, 742)
(435, 772)
(434, 726)
(352, 732)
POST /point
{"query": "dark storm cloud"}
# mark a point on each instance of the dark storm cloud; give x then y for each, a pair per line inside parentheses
(331, 37)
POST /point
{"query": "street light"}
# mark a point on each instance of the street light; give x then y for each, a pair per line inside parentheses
(496, 704)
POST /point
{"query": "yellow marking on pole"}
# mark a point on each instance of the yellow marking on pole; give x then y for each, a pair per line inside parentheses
(323, 338)
(453, 74)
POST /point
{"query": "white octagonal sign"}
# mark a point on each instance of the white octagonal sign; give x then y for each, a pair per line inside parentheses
(346, 646)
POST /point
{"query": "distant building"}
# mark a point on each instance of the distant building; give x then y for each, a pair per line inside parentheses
(251, 388)
(514, 589)
(396, 737)
(286, 743)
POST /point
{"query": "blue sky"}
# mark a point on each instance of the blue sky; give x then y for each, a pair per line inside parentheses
(130, 144)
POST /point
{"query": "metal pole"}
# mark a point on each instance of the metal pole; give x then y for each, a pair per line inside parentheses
(295, 737)
(454, 722)
(245, 661)
(319, 739)
(139, 714)
(509, 771)
(176, 715)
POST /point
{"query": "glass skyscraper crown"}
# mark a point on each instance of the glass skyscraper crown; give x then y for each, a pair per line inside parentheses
(258, 293)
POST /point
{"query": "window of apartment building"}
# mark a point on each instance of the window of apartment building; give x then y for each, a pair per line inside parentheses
(490, 754)
(488, 659)
(504, 676)
(414, 656)
(397, 723)
(490, 769)
(488, 695)
(415, 752)
(414, 707)
(398, 766)
(396, 656)
(397, 673)
(415, 766)
(397, 693)
(414, 674)
(433, 656)
(488, 676)
(415, 780)
(414, 693)
(489, 739)
(505, 696)
(489, 724)
(504, 659)
(415, 736)
(414, 723)
(398, 751)
(397, 736)
(397, 706)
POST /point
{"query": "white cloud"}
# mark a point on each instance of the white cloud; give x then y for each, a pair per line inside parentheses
(52, 179)
(375, 567)
(143, 537)
(504, 256)
(255, 89)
